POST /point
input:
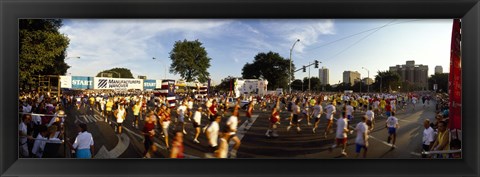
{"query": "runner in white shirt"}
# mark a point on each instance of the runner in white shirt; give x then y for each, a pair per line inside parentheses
(317, 113)
(414, 102)
(197, 119)
(181, 111)
(392, 125)
(370, 118)
(190, 108)
(376, 104)
(362, 137)
(232, 124)
(428, 137)
(341, 134)
(295, 118)
(120, 114)
(212, 133)
(330, 111)
(222, 151)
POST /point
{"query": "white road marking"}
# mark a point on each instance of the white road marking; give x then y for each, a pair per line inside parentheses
(119, 149)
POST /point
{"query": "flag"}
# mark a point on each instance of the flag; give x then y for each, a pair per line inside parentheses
(168, 90)
(455, 78)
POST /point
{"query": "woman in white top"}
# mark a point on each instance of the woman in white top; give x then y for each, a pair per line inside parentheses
(83, 143)
(120, 114)
(232, 124)
(197, 119)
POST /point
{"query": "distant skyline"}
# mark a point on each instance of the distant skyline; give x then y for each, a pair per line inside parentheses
(341, 45)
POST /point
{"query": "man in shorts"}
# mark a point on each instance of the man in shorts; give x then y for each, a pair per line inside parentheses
(232, 124)
(341, 135)
(392, 126)
(330, 111)
(181, 111)
(197, 119)
(317, 112)
(361, 141)
(370, 118)
(295, 118)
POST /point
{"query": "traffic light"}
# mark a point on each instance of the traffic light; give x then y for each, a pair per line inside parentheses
(304, 69)
(316, 63)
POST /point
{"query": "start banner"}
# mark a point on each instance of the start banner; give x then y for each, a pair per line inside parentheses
(149, 84)
(117, 83)
(82, 82)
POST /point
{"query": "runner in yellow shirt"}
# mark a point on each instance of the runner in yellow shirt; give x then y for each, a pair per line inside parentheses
(383, 103)
(108, 108)
(136, 112)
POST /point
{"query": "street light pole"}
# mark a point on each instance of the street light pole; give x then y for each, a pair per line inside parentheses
(309, 76)
(368, 77)
(380, 81)
(290, 73)
(164, 67)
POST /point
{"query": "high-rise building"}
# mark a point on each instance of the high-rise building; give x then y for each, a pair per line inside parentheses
(350, 77)
(438, 69)
(323, 75)
(413, 74)
(367, 81)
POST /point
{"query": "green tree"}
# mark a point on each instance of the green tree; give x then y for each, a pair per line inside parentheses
(297, 85)
(269, 66)
(42, 49)
(441, 80)
(315, 84)
(117, 73)
(388, 80)
(190, 60)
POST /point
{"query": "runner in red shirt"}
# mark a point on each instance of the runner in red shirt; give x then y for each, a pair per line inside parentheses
(148, 133)
(177, 149)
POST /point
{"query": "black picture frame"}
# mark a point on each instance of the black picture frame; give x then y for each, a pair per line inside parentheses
(11, 11)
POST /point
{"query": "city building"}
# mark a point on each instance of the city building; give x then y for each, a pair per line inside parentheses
(350, 77)
(323, 75)
(367, 81)
(413, 74)
(438, 69)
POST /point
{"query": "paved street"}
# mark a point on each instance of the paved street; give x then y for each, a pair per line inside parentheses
(255, 144)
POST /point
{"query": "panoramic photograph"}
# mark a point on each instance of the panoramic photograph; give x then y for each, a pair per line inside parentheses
(240, 88)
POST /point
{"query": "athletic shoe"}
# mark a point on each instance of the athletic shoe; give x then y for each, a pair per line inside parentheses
(344, 153)
(288, 128)
(313, 130)
(274, 134)
(267, 134)
(196, 141)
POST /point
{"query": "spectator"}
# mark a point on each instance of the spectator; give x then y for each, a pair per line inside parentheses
(40, 141)
(83, 143)
(442, 143)
(428, 136)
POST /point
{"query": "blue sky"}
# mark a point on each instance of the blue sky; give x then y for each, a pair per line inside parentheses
(103, 44)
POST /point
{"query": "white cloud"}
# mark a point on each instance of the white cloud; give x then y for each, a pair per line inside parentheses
(103, 44)
(308, 31)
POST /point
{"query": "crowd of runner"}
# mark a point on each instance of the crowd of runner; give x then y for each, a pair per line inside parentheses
(42, 118)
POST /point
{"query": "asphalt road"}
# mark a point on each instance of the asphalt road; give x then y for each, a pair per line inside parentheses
(255, 144)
